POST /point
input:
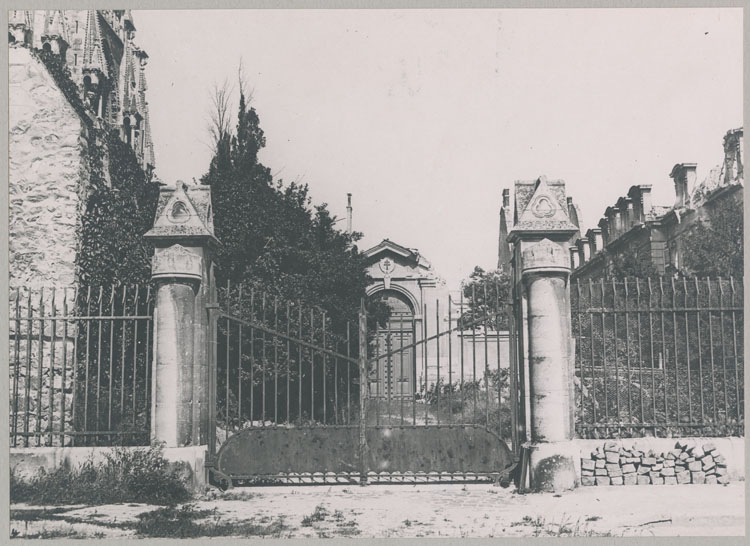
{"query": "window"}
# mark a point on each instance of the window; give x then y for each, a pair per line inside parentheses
(76, 27)
(75, 59)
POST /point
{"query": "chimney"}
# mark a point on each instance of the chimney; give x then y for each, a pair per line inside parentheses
(684, 182)
(603, 233)
(594, 236)
(584, 249)
(349, 213)
(641, 198)
(574, 263)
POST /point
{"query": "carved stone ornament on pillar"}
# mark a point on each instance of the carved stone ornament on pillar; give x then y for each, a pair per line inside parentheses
(545, 256)
(176, 262)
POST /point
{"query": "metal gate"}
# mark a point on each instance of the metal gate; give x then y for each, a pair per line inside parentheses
(300, 397)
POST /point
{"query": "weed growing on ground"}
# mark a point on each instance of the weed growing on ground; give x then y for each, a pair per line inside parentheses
(125, 475)
(319, 514)
(183, 522)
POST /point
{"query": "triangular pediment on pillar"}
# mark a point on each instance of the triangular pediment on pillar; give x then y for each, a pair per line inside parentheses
(184, 211)
(541, 207)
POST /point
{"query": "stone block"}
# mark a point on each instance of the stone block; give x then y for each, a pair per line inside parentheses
(587, 472)
(588, 480)
(644, 479)
(709, 447)
(654, 475)
(648, 461)
(612, 456)
(670, 456)
(669, 463)
(587, 464)
(707, 463)
(683, 456)
(599, 463)
(628, 469)
(681, 444)
(634, 460)
(614, 468)
(611, 446)
(690, 459)
(602, 480)
(657, 466)
(630, 479)
(675, 453)
(659, 480)
(643, 469)
(667, 471)
(600, 472)
(696, 452)
(597, 454)
(695, 466)
(670, 480)
(683, 477)
(722, 479)
(711, 480)
(720, 459)
(617, 480)
(698, 477)
(720, 471)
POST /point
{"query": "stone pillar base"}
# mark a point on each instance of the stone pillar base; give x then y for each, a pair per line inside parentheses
(553, 466)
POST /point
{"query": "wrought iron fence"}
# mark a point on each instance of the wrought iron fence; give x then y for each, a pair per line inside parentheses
(80, 366)
(660, 357)
(281, 363)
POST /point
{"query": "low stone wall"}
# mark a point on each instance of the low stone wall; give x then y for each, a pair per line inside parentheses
(688, 461)
(28, 461)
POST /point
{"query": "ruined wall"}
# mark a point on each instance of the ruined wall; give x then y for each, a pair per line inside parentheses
(48, 171)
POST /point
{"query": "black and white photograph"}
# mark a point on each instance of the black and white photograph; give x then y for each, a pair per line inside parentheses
(318, 272)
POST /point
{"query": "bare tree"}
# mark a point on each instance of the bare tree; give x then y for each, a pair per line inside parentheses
(220, 116)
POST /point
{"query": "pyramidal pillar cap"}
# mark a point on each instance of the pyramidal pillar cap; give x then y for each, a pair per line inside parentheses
(183, 215)
(545, 256)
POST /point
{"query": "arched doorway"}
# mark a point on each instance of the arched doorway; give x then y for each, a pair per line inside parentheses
(393, 376)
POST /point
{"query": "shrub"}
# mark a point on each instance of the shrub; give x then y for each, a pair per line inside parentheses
(125, 475)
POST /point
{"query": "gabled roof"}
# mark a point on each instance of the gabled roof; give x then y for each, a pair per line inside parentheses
(388, 245)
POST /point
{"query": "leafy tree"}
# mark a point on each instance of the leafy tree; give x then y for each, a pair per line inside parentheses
(715, 248)
(487, 294)
(272, 235)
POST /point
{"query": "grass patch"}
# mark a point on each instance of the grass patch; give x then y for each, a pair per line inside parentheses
(319, 514)
(184, 522)
(125, 475)
(54, 533)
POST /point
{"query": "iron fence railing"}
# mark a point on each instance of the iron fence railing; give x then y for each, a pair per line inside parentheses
(80, 366)
(660, 356)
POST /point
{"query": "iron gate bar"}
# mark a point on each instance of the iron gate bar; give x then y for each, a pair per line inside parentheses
(723, 349)
(17, 366)
(734, 352)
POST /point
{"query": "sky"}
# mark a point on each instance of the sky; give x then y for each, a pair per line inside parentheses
(426, 115)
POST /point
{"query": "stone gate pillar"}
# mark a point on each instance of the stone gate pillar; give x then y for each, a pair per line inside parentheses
(541, 236)
(182, 270)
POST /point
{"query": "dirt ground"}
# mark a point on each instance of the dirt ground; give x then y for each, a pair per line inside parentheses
(381, 511)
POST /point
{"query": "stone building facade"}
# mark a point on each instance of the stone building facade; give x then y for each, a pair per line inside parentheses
(652, 234)
(51, 128)
(420, 304)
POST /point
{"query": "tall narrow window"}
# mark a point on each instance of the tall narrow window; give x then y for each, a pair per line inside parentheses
(75, 59)
(76, 27)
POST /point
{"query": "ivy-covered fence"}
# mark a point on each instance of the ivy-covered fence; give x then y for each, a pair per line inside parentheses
(80, 366)
(659, 357)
